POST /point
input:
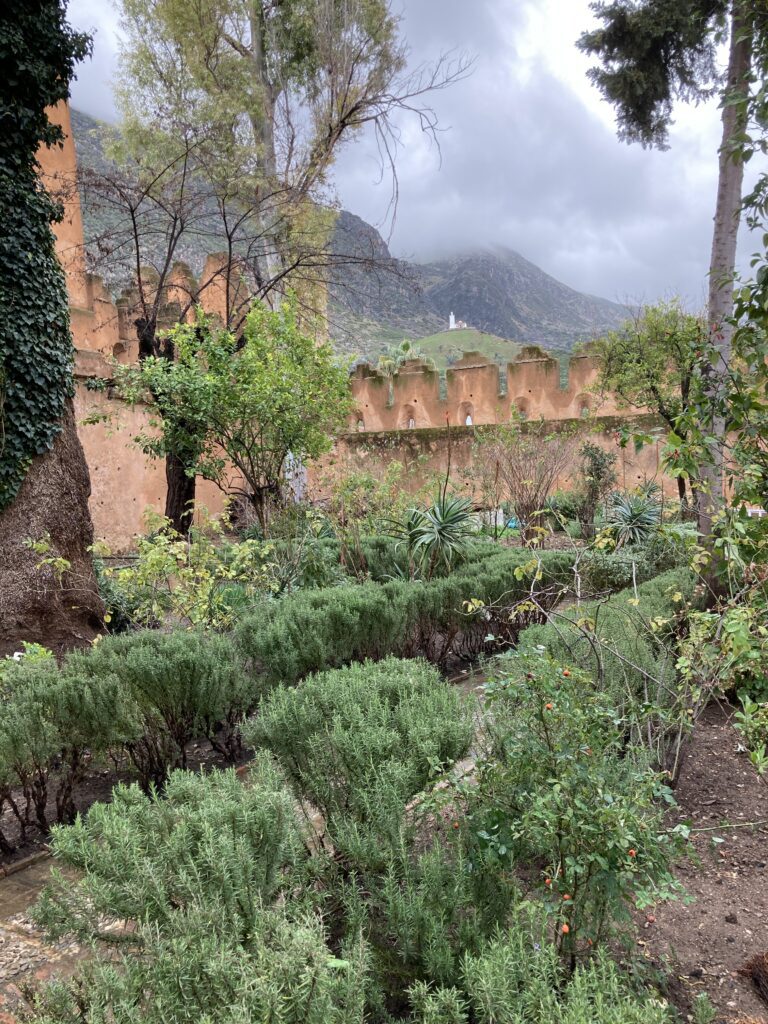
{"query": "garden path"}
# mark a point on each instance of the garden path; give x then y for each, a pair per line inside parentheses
(25, 956)
(707, 941)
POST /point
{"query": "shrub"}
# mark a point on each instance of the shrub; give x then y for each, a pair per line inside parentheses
(199, 872)
(348, 738)
(187, 580)
(360, 743)
(181, 684)
(602, 569)
(560, 789)
(752, 723)
(634, 518)
(628, 644)
(437, 537)
(622, 639)
(312, 631)
(209, 841)
(517, 977)
(285, 974)
(598, 477)
(53, 724)
(562, 507)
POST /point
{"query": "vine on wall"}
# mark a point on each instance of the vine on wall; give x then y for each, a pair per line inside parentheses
(38, 51)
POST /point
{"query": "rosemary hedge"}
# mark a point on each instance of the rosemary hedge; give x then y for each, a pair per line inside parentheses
(359, 742)
(311, 631)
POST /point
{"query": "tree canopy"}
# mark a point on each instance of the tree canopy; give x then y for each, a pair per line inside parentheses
(651, 54)
(233, 408)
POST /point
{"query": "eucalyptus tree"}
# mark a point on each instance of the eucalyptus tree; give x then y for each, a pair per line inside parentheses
(652, 53)
(256, 98)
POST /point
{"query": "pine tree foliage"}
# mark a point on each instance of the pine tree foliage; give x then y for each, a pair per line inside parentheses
(651, 54)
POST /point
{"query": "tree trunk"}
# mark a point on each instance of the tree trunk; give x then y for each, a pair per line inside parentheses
(723, 258)
(180, 495)
(681, 491)
(180, 488)
(36, 604)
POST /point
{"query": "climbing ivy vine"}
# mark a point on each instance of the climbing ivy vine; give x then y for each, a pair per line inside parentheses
(38, 52)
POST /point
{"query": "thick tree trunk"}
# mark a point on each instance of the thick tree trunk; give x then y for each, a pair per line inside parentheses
(180, 495)
(723, 259)
(35, 603)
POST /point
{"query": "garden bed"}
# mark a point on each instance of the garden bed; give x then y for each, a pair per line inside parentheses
(706, 942)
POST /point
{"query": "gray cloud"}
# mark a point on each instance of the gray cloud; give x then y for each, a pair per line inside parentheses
(528, 160)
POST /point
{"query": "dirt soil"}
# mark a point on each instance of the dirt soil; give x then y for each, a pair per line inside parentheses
(704, 943)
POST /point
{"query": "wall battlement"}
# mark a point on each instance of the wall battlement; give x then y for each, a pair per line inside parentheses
(476, 391)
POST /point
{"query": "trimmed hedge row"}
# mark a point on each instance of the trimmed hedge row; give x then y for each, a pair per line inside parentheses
(381, 558)
(145, 695)
(315, 630)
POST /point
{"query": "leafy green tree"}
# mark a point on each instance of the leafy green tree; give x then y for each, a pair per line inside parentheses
(235, 408)
(652, 52)
(288, 83)
(651, 362)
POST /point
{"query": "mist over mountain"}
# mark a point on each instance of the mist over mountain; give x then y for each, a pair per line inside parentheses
(376, 300)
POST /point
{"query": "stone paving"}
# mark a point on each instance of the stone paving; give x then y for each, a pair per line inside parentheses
(25, 955)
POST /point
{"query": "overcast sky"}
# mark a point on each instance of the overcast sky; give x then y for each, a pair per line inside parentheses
(529, 156)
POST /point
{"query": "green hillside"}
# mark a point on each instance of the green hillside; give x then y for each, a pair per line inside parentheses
(448, 346)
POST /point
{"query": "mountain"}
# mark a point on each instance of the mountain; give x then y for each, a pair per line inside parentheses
(495, 291)
(376, 300)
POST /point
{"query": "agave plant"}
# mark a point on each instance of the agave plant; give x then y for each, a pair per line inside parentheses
(634, 517)
(437, 536)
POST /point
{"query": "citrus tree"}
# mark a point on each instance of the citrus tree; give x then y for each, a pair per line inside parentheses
(235, 407)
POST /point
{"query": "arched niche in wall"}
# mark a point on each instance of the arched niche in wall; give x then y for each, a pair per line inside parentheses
(522, 407)
(466, 414)
(584, 405)
(407, 420)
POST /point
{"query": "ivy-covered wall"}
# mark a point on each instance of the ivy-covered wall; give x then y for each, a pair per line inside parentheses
(37, 56)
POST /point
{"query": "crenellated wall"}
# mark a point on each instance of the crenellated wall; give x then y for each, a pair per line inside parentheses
(477, 392)
(125, 483)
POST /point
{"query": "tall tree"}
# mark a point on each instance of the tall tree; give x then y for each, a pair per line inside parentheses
(653, 52)
(254, 98)
(44, 482)
(651, 363)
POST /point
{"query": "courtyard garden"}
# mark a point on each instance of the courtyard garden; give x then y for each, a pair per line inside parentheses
(388, 735)
(392, 763)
